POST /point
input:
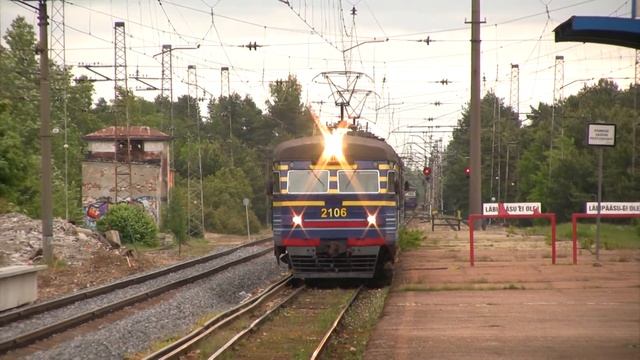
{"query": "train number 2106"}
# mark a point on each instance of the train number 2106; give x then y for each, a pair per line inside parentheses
(333, 212)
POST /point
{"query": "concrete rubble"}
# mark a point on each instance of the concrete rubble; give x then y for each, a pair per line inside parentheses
(21, 240)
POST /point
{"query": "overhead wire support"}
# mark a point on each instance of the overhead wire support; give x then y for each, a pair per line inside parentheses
(58, 56)
(195, 209)
(143, 80)
(224, 82)
(122, 158)
(46, 199)
(558, 85)
(251, 46)
(91, 68)
(635, 108)
(442, 81)
(514, 90)
(310, 26)
(167, 78)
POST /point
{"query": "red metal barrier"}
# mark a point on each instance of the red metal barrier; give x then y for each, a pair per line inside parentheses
(574, 226)
(550, 216)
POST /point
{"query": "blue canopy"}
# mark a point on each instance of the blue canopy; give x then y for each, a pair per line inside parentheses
(600, 29)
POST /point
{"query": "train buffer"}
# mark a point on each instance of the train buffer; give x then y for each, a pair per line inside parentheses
(452, 221)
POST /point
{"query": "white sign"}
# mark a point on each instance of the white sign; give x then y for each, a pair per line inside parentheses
(614, 208)
(601, 134)
(528, 208)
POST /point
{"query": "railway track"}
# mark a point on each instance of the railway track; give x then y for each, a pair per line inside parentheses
(24, 326)
(223, 336)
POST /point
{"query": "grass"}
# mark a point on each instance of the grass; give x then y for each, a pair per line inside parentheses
(612, 236)
(410, 239)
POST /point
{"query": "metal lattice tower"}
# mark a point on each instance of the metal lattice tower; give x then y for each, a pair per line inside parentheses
(57, 49)
(558, 79)
(121, 111)
(514, 93)
(167, 81)
(195, 210)
(57, 54)
(224, 81)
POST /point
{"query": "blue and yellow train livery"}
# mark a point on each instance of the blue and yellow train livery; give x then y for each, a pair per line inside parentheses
(336, 213)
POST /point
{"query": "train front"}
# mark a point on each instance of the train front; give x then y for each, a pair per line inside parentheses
(335, 206)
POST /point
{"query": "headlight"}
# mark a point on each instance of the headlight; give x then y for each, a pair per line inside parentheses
(371, 219)
(297, 220)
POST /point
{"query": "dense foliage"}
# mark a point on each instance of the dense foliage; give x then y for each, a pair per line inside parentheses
(133, 223)
(545, 158)
(235, 140)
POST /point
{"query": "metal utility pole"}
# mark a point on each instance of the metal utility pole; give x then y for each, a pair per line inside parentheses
(167, 84)
(225, 87)
(558, 84)
(58, 56)
(635, 109)
(121, 134)
(195, 202)
(46, 197)
(475, 183)
(514, 92)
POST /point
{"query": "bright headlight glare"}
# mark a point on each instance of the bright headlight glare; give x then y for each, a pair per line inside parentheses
(371, 219)
(297, 220)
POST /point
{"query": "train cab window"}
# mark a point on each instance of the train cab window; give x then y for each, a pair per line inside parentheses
(275, 182)
(391, 182)
(358, 181)
(307, 181)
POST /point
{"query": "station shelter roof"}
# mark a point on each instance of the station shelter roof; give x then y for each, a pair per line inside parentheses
(600, 29)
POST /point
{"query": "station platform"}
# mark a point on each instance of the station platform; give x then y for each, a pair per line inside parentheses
(513, 304)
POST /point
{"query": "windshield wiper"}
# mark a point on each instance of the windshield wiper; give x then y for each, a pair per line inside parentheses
(321, 182)
(351, 178)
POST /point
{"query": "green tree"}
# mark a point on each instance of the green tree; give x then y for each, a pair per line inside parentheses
(175, 217)
(224, 211)
(286, 114)
(19, 119)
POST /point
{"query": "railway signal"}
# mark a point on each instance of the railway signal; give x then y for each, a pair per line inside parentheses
(426, 171)
(467, 172)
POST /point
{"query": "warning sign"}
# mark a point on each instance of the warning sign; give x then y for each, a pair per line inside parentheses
(528, 208)
(614, 208)
(601, 134)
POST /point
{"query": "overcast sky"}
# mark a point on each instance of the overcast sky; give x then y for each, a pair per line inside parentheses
(306, 38)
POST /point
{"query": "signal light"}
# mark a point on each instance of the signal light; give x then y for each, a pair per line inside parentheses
(426, 171)
(467, 171)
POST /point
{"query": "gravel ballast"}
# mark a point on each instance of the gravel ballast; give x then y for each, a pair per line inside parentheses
(174, 316)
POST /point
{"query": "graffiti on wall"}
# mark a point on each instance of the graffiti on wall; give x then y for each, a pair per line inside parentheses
(150, 204)
(94, 210)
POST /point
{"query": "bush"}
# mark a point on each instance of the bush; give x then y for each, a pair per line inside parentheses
(132, 222)
(410, 239)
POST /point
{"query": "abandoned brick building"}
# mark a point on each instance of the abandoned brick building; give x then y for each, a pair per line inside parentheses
(151, 174)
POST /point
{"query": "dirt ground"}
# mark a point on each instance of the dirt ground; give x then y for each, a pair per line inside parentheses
(513, 304)
(105, 266)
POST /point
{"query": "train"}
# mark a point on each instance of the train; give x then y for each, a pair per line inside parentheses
(410, 199)
(336, 205)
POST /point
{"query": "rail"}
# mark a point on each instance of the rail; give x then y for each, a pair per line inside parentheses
(65, 324)
(182, 346)
(39, 308)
